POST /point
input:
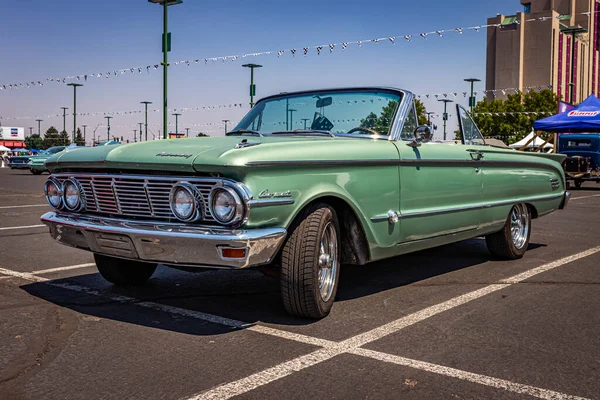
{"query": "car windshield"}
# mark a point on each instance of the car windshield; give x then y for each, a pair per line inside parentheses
(361, 112)
(53, 150)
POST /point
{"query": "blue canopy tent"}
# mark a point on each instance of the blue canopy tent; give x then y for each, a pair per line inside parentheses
(583, 118)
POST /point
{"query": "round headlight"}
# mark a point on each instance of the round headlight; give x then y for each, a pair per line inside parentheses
(226, 206)
(53, 190)
(185, 201)
(72, 195)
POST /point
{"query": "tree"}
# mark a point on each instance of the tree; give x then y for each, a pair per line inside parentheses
(34, 142)
(79, 138)
(63, 137)
(51, 138)
(200, 134)
(421, 112)
(511, 123)
(382, 123)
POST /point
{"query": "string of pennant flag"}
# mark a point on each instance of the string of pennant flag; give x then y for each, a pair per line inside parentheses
(318, 49)
(493, 92)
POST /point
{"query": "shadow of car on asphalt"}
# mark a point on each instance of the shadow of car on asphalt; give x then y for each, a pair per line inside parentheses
(247, 295)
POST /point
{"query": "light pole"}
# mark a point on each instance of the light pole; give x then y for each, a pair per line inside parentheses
(145, 103)
(64, 117)
(75, 86)
(292, 111)
(226, 121)
(166, 47)
(573, 30)
(445, 115)
(39, 133)
(176, 121)
(305, 121)
(429, 117)
(30, 138)
(252, 85)
(472, 98)
(187, 132)
(108, 131)
(140, 124)
(135, 135)
(84, 126)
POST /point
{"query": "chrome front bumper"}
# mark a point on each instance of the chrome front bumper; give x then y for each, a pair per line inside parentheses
(165, 243)
(565, 200)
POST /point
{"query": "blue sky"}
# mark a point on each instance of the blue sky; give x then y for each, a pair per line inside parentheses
(44, 39)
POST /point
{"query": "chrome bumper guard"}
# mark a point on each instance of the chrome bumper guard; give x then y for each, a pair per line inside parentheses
(565, 200)
(165, 243)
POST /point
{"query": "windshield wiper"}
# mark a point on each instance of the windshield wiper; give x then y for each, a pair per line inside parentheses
(328, 133)
(241, 131)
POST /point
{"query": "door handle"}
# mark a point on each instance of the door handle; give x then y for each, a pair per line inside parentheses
(476, 155)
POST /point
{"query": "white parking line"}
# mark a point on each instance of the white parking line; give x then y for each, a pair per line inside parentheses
(24, 206)
(466, 376)
(279, 371)
(585, 197)
(331, 349)
(21, 227)
(47, 271)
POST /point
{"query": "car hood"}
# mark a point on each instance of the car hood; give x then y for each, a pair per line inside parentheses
(207, 154)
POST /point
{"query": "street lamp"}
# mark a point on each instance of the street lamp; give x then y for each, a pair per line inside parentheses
(108, 132)
(64, 117)
(445, 115)
(75, 86)
(84, 126)
(252, 86)
(305, 121)
(166, 47)
(225, 121)
(187, 132)
(30, 138)
(429, 117)
(145, 103)
(472, 98)
(573, 30)
(140, 124)
(135, 135)
(291, 111)
(176, 120)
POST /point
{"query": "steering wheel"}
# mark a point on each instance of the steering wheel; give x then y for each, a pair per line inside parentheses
(369, 130)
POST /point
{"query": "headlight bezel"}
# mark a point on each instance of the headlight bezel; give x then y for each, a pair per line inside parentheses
(240, 213)
(59, 189)
(80, 205)
(198, 202)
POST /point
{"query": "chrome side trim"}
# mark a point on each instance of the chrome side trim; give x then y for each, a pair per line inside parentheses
(382, 217)
(269, 202)
(322, 162)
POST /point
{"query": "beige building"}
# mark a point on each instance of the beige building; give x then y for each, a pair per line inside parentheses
(532, 49)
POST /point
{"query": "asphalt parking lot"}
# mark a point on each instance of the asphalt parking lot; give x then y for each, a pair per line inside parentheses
(445, 323)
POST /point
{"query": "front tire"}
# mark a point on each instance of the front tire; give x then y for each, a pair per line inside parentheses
(35, 172)
(512, 241)
(124, 272)
(310, 263)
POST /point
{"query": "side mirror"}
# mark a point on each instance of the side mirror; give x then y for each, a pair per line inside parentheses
(422, 135)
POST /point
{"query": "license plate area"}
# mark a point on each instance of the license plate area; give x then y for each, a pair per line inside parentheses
(115, 244)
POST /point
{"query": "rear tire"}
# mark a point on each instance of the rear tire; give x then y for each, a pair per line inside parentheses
(512, 241)
(310, 263)
(578, 184)
(124, 272)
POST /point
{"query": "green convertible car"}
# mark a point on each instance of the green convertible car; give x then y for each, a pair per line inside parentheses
(305, 183)
(36, 163)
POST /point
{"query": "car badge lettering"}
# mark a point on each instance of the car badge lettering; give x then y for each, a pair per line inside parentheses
(265, 194)
(164, 154)
(576, 113)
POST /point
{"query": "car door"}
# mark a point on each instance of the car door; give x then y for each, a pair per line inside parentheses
(440, 189)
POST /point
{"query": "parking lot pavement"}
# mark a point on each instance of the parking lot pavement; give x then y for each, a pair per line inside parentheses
(448, 322)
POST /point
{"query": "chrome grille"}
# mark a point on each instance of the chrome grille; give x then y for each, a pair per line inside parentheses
(136, 196)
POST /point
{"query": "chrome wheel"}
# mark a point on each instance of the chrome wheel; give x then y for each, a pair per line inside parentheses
(328, 261)
(519, 225)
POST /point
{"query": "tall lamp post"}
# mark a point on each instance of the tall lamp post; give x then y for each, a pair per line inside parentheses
(75, 86)
(166, 47)
(187, 132)
(84, 126)
(176, 124)
(252, 85)
(64, 117)
(472, 98)
(30, 138)
(291, 111)
(305, 121)
(38, 121)
(108, 131)
(225, 121)
(145, 103)
(573, 30)
(140, 124)
(429, 117)
(445, 115)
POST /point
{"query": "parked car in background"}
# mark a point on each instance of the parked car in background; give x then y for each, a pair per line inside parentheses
(19, 162)
(583, 157)
(36, 163)
(305, 183)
